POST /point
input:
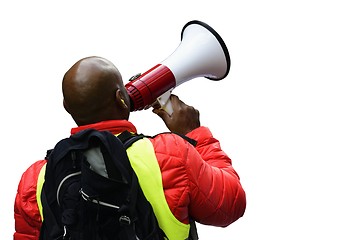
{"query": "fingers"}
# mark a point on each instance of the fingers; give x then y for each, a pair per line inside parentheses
(175, 101)
(162, 114)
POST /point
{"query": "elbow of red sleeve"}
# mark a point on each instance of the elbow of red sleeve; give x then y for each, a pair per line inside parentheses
(237, 210)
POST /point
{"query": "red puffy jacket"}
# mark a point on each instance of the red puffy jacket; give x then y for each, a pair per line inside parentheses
(199, 182)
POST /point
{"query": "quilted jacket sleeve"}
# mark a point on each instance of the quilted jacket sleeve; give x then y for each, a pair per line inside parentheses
(217, 196)
(26, 211)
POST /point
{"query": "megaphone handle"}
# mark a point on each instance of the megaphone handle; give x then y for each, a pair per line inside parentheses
(165, 103)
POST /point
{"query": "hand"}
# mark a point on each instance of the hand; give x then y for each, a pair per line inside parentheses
(184, 118)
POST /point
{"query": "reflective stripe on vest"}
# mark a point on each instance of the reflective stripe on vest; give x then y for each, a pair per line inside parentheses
(143, 160)
(39, 185)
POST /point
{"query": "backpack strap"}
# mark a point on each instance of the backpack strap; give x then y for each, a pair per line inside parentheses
(128, 138)
(50, 218)
(190, 140)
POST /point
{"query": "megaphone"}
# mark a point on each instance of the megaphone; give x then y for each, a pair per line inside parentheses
(201, 53)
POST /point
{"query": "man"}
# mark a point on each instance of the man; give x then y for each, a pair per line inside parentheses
(198, 182)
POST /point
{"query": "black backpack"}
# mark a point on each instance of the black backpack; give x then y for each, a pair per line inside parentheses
(91, 191)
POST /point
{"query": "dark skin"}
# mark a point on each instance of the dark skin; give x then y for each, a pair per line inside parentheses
(93, 91)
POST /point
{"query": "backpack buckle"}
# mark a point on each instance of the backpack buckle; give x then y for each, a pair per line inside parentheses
(124, 220)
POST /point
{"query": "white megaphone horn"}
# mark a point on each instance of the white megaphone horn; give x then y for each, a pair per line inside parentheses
(201, 53)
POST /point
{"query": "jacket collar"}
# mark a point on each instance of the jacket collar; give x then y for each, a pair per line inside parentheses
(113, 126)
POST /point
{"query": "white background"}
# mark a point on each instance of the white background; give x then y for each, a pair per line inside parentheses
(287, 114)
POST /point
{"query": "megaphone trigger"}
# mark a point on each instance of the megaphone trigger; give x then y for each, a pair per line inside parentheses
(165, 103)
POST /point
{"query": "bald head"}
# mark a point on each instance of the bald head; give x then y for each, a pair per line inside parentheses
(93, 91)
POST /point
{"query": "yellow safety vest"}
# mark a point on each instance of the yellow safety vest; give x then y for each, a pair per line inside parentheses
(143, 160)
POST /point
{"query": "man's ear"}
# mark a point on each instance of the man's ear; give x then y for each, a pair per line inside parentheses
(121, 99)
